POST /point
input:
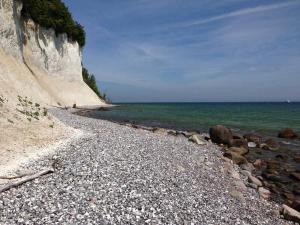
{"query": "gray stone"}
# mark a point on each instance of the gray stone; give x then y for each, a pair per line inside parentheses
(254, 180)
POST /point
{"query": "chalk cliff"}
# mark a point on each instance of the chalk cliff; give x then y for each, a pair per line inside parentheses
(37, 63)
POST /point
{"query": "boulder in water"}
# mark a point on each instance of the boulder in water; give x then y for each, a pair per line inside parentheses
(235, 157)
(287, 133)
(252, 137)
(270, 144)
(220, 135)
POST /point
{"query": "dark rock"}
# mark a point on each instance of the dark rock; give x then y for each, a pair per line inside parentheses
(239, 143)
(296, 189)
(272, 165)
(276, 178)
(297, 158)
(295, 175)
(220, 135)
(252, 137)
(287, 133)
(235, 157)
(296, 203)
(271, 144)
(282, 157)
(237, 136)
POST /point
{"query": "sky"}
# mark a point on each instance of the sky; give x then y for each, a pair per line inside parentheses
(192, 51)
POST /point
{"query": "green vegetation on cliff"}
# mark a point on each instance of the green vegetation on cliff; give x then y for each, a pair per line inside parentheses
(54, 14)
(90, 80)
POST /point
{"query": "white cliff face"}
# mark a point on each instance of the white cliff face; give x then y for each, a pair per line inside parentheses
(10, 27)
(54, 54)
(37, 63)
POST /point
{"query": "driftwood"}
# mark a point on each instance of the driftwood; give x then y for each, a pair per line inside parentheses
(25, 179)
(15, 177)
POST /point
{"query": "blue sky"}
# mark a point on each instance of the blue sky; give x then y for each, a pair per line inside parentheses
(195, 50)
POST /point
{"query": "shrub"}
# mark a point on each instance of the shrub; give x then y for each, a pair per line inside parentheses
(54, 14)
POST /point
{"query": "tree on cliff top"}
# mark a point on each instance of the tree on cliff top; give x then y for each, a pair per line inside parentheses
(54, 14)
(90, 80)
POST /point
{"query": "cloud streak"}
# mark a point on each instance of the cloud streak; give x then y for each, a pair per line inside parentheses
(242, 12)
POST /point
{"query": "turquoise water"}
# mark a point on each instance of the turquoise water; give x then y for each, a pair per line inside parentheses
(266, 118)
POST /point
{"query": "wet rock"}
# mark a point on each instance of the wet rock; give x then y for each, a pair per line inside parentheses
(287, 133)
(239, 143)
(282, 157)
(254, 180)
(273, 166)
(296, 203)
(240, 151)
(290, 214)
(235, 157)
(296, 189)
(295, 175)
(289, 198)
(276, 178)
(197, 139)
(264, 193)
(258, 163)
(252, 137)
(270, 144)
(297, 158)
(220, 135)
(237, 136)
(247, 166)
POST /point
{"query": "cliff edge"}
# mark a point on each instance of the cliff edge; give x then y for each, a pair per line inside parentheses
(38, 64)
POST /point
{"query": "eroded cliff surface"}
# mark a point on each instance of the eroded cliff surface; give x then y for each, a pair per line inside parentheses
(37, 63)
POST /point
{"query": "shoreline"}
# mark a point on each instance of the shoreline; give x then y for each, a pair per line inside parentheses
(284, 186)
(177, 159)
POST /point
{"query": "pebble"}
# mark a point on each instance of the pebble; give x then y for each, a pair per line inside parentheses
(120, 175)
(254, 180)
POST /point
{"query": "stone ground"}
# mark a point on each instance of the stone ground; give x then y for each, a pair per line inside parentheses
(120, 175)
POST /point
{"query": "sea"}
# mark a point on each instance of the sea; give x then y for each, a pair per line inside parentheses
(265, 118)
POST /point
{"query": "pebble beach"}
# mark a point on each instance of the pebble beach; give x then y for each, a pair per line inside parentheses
(115, 174)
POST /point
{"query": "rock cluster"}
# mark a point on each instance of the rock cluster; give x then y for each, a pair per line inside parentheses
(236, 148)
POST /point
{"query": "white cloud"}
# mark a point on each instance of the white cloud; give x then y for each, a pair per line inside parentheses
(241, 12)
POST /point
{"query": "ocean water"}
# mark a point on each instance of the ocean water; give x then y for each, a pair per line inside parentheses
(265, 118)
